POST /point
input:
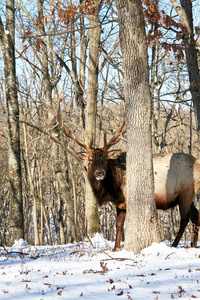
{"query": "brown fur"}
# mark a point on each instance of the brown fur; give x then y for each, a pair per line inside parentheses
(112, 188)
(177, 180)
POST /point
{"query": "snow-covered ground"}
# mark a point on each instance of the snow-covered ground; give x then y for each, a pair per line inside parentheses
(77, 271)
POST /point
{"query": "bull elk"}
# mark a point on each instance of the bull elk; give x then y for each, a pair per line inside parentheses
(176, 176)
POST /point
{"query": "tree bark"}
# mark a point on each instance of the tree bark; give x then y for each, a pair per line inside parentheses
(92, 219)
(186, 15)
(7, 42)
(141, 221)
(72, 229)
(32, 188)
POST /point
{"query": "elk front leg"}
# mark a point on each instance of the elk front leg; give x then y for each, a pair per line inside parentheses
(121, 214)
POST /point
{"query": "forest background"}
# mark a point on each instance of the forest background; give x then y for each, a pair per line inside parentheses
(72, 50)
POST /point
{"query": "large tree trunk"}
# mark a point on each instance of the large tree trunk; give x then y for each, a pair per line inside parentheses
(72, 231)
(92, 219)
(32, 188)
(141, 222)
(7, 41)
(185, 13)
(192, 64)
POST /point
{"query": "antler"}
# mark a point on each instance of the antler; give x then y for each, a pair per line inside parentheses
(116, 138)
(67, 131)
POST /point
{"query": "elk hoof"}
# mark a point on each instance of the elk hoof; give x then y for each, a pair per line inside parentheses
(194, 245)
(115, 249)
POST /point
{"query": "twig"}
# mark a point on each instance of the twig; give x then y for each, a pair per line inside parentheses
(13, 252)
(70, 151)
(118, 259)
(169, 255)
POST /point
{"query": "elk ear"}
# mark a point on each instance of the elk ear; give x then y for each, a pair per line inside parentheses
(83, 155)
(113, 154)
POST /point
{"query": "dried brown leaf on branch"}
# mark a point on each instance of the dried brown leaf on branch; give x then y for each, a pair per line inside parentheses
(66, 13)
(160, 19)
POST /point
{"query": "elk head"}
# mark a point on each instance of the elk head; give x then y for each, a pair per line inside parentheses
(97, 158)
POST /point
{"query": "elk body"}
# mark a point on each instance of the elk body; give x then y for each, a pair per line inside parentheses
(176, 181)
(176, 176)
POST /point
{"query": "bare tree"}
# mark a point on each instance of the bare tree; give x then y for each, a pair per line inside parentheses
(92, 220)
(186, 14)
(141, 223)
(7, 42)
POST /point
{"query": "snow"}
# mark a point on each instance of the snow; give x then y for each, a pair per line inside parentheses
(77, 271)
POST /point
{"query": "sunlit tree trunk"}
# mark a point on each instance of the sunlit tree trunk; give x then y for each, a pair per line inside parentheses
(72, 232)
(141, 221)
(32, 188)
(7, 42)
(92, 219)
(186, 15)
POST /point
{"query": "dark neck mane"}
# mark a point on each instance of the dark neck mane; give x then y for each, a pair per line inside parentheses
(110, 189)
(102, 189)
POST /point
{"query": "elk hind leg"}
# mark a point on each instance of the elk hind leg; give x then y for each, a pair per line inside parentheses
(195, 218)
(183, 224)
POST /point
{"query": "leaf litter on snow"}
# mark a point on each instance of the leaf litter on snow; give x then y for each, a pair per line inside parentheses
(90, 271)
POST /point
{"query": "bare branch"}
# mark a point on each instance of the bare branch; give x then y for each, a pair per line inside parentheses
(67, 131)
(116, 138)
(182, 14)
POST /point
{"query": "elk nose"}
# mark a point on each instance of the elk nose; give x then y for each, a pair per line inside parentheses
(100, 175)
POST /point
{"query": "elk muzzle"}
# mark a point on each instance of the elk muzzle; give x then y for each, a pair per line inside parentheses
(100, 174)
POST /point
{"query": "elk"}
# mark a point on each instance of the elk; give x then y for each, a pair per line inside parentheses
(176, 178)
